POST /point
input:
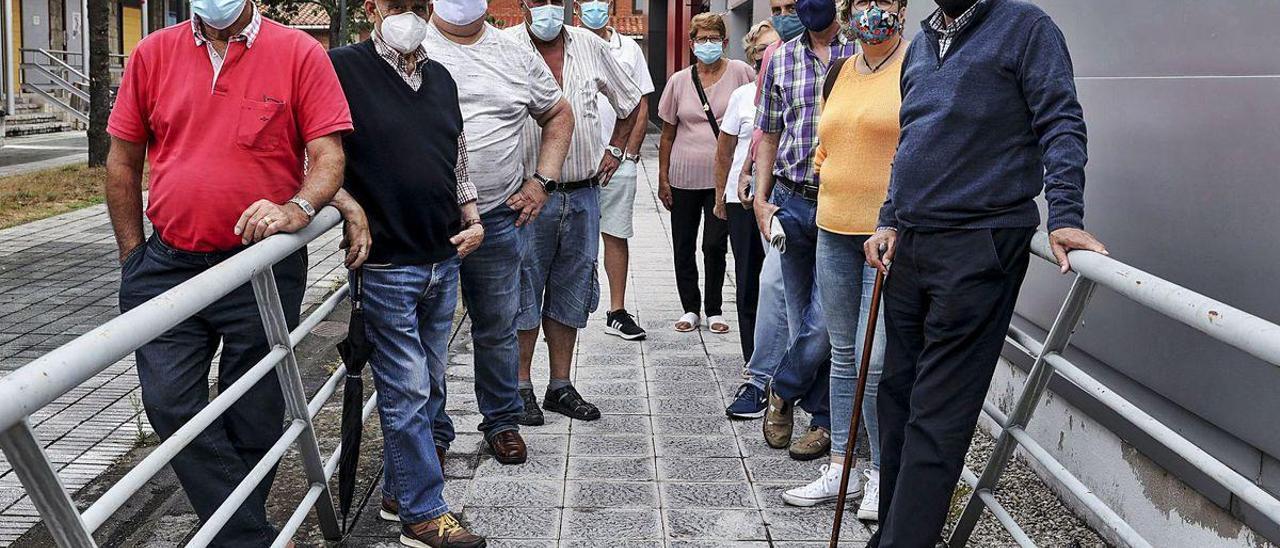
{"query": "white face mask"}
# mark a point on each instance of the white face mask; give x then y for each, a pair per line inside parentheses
(403, 32)
(460, 12)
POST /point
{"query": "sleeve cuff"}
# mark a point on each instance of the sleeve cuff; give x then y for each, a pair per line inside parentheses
(335, 127)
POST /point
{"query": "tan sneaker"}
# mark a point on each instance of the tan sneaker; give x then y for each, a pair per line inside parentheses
(442, 532)
(814, 444)
(778, 422)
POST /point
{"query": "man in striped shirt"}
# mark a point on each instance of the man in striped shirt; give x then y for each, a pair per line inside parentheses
(560, 287)
(788, 116)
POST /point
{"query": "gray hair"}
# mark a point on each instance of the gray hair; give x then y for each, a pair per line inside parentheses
(755, 32)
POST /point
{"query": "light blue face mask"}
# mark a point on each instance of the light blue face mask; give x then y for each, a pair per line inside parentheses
(547, 22)
(708, 53)
(595, 15)
(218, 14)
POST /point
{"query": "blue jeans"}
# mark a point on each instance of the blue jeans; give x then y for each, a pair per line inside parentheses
(174, 372)
(558, 275)
(804, 370)
(772, 331)
(845, 283)
(492, 294)
(408, 313)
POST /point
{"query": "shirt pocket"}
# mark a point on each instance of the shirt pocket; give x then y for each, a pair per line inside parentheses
(258, 127)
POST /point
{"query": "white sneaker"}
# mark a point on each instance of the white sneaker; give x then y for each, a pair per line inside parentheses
(869, 510)
(824, 489)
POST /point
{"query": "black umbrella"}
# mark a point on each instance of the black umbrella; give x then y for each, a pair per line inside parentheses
(355, 351)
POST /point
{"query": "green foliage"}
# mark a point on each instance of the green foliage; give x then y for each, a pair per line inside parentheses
(286, 10)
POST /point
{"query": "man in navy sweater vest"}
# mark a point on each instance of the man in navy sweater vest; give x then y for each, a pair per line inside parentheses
(408, 169)
(989, 121)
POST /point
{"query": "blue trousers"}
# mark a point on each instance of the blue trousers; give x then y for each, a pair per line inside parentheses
(174, 372)
(845, 283)
(803, 373)
(408, 313)
(772, 332)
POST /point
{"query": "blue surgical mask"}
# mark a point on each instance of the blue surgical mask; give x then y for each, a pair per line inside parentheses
(547, 21)
(218, 14)
(595, 15)
(708, 53)
(788, 26)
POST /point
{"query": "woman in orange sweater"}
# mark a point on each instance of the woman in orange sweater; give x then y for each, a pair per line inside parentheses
(857, 135)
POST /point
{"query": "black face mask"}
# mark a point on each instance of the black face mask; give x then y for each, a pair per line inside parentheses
(955, 8)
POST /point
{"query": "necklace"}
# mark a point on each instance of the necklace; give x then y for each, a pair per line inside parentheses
(882, 61)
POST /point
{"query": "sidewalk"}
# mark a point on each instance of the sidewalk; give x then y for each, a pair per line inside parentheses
(58, 279)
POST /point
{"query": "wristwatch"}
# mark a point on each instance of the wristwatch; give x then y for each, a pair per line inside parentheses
(614, 151)
(549, 185)
(635, 158)
(304, 205)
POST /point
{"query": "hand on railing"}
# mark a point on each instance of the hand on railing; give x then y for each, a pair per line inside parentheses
(1064, 240)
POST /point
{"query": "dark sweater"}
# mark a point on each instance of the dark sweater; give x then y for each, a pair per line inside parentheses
(989, 127)
(401, 156)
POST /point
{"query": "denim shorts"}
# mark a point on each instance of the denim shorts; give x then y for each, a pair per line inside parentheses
(558, 277)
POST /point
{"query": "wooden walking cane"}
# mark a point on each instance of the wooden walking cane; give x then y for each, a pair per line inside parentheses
(856, 419)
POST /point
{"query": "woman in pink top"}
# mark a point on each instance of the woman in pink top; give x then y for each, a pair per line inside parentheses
(686, 165)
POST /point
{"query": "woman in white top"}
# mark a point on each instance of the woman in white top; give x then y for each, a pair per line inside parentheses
(731, 153)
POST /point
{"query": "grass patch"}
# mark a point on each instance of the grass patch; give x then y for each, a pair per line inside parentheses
(40, 194)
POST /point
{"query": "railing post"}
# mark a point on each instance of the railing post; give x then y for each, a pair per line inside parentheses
(44, 487)
(295, 397)
(1037, 381)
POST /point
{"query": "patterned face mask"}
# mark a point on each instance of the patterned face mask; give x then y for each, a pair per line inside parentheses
(876, 26)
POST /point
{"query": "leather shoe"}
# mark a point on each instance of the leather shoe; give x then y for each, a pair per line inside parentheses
(508, 447)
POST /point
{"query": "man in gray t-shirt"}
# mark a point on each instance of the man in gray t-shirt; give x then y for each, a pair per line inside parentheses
(501, 85)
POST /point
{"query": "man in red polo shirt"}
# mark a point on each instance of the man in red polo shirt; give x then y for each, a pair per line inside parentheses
(223, 107)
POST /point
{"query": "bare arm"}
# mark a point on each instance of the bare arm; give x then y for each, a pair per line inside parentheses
(665, 145)
(765, 157)
(637, 131)
(356, 238)
(621, 138)
(724, 157)
(557, 132)
(124, 193)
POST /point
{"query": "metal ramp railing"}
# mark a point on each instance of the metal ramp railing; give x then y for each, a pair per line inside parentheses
(1225, 323)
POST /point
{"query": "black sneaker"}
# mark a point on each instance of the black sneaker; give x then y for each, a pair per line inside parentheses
(620, 323)
(532, 416)
(567, 402)
(748, 404)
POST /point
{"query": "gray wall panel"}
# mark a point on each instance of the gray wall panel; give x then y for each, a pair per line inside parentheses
(1182, 183)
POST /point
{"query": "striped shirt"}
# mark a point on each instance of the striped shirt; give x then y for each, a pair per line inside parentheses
(589, 70)
(947, 33)
(789, 104)
(247, 36)
(413, 77)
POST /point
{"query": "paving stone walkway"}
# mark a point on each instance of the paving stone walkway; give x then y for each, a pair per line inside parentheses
(662, 468)
(58, 279)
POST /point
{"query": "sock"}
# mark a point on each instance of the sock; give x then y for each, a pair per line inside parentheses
(526, 385)
(557, 384)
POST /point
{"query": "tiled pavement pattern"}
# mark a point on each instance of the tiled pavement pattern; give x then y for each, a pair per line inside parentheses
(662, 468)
(58, 280)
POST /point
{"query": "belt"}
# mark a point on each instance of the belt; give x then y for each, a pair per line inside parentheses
(578, 185)
(807, 192)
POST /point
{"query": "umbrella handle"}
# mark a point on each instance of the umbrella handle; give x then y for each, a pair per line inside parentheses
(356, 279)
(856, 418)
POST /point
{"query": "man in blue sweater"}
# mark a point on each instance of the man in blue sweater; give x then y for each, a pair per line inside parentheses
(989, 121)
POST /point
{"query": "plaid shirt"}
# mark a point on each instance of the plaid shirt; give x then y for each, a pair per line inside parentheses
(413, 77)
(947, 34)
(789, 104)
(248, 35)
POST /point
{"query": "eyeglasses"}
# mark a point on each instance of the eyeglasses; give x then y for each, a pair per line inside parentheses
(882, 4)
(708, 40)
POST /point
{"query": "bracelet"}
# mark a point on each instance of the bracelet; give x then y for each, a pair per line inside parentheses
(468, 223)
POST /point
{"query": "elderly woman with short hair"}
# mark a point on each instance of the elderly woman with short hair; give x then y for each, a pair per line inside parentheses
(686, 163)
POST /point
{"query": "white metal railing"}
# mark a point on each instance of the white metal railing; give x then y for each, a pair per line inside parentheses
(1230, 325)
(42, 381)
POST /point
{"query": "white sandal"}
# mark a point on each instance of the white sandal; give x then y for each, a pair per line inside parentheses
(689, 318)
(718, 325)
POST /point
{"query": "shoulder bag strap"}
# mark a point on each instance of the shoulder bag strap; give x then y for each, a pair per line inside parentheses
(832, 74)
(706, 105)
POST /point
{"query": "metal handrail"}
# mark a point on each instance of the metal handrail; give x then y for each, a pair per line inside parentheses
(49, 54)
(1256, 336)
(39, 383)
